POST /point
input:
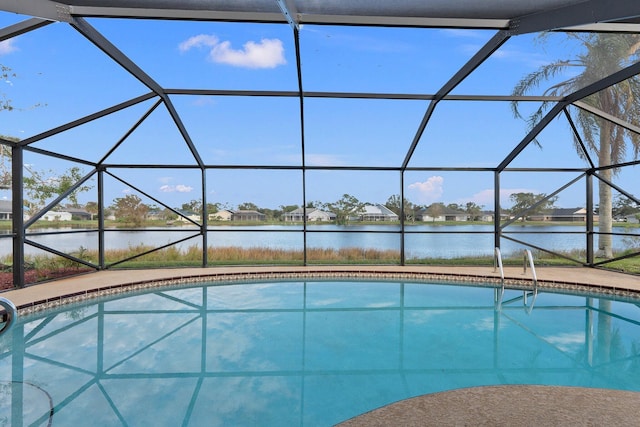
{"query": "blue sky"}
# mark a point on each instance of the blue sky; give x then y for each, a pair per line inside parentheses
(65, 73)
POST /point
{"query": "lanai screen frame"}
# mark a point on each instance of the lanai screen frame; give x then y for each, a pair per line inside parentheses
(505, 29)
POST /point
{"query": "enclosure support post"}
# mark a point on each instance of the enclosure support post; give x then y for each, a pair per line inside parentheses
(496, 209)
(402, 219)
(101, 218)
(205, 219)
(17, 209)
(589, 200)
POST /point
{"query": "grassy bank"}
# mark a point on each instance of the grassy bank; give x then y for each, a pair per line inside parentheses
(46, 267)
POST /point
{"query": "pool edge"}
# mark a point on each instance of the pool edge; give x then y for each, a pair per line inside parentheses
(110, 283)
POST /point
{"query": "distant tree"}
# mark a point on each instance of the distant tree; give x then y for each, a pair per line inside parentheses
(130, 209)
(623, 206)
(289, 208)
(435, 210)
(394, 205)
(213, 208)
(473, 210)
(40, 186)
(271, 214)
(194, 206)
(344, 208)
(314, 204)
(5, 163)
(169, 215)
(455, 207)
(247, 206)
(92, 208)
(5, 74)
(524, 201)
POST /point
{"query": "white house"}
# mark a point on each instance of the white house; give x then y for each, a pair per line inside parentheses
(632, 219)
(56, 216)
(247, 215)
(312, 214)
(6, 210)
(318, 215)
(486, 216)
(378, 212)
(561, 214)
(444, 214)
(222, 215)
(188, 214)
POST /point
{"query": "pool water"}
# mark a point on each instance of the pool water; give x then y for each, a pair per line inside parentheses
(301, 353)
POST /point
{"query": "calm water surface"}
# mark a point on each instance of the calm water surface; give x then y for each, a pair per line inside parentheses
(301, 353)
(467, 240)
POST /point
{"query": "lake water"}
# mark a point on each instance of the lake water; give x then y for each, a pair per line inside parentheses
(421, 241)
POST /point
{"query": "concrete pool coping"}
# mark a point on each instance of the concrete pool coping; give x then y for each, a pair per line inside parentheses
(109, 282)
(511, 405)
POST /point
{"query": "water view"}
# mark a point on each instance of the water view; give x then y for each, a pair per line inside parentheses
(421, 241)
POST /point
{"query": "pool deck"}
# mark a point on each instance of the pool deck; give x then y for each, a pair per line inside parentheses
(553, 277)
(510, 405)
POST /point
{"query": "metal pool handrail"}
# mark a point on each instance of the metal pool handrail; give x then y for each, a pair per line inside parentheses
(497, 263)
(11, 314)
(529, 257)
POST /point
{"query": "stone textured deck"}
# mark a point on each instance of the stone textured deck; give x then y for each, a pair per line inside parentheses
(511, 405)
(553, 277)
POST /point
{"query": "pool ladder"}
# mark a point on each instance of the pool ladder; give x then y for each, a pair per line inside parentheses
(528, 258)
(9, 314)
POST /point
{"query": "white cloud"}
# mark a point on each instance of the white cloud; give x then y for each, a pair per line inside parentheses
(126, 191)
(567, 341)
(203, 101)
(267, 53)
(7, 46)
(201, 40)
(321, 160)
(484, 324)
(430, 190)
(176, 188)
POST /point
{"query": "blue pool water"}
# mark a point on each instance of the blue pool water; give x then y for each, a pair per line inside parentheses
(297, 353)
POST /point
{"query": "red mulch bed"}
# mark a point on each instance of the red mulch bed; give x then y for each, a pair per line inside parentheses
(34, 276)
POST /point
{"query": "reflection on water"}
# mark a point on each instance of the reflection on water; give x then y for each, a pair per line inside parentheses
(301, 353)
(421, 241)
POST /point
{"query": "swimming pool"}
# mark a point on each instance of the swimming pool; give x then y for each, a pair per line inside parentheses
(310, 353)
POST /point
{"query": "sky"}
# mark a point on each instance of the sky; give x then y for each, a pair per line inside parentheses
(61, 77)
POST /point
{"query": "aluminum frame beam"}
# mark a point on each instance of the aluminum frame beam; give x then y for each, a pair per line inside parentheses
(102, 43)
(191, 15)
(478, 58)
(613, 119)
(586, 12)
(38, 8)
(22, 28)
(597, 86)
(290, 12)
(125, 62)
(87, 119)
